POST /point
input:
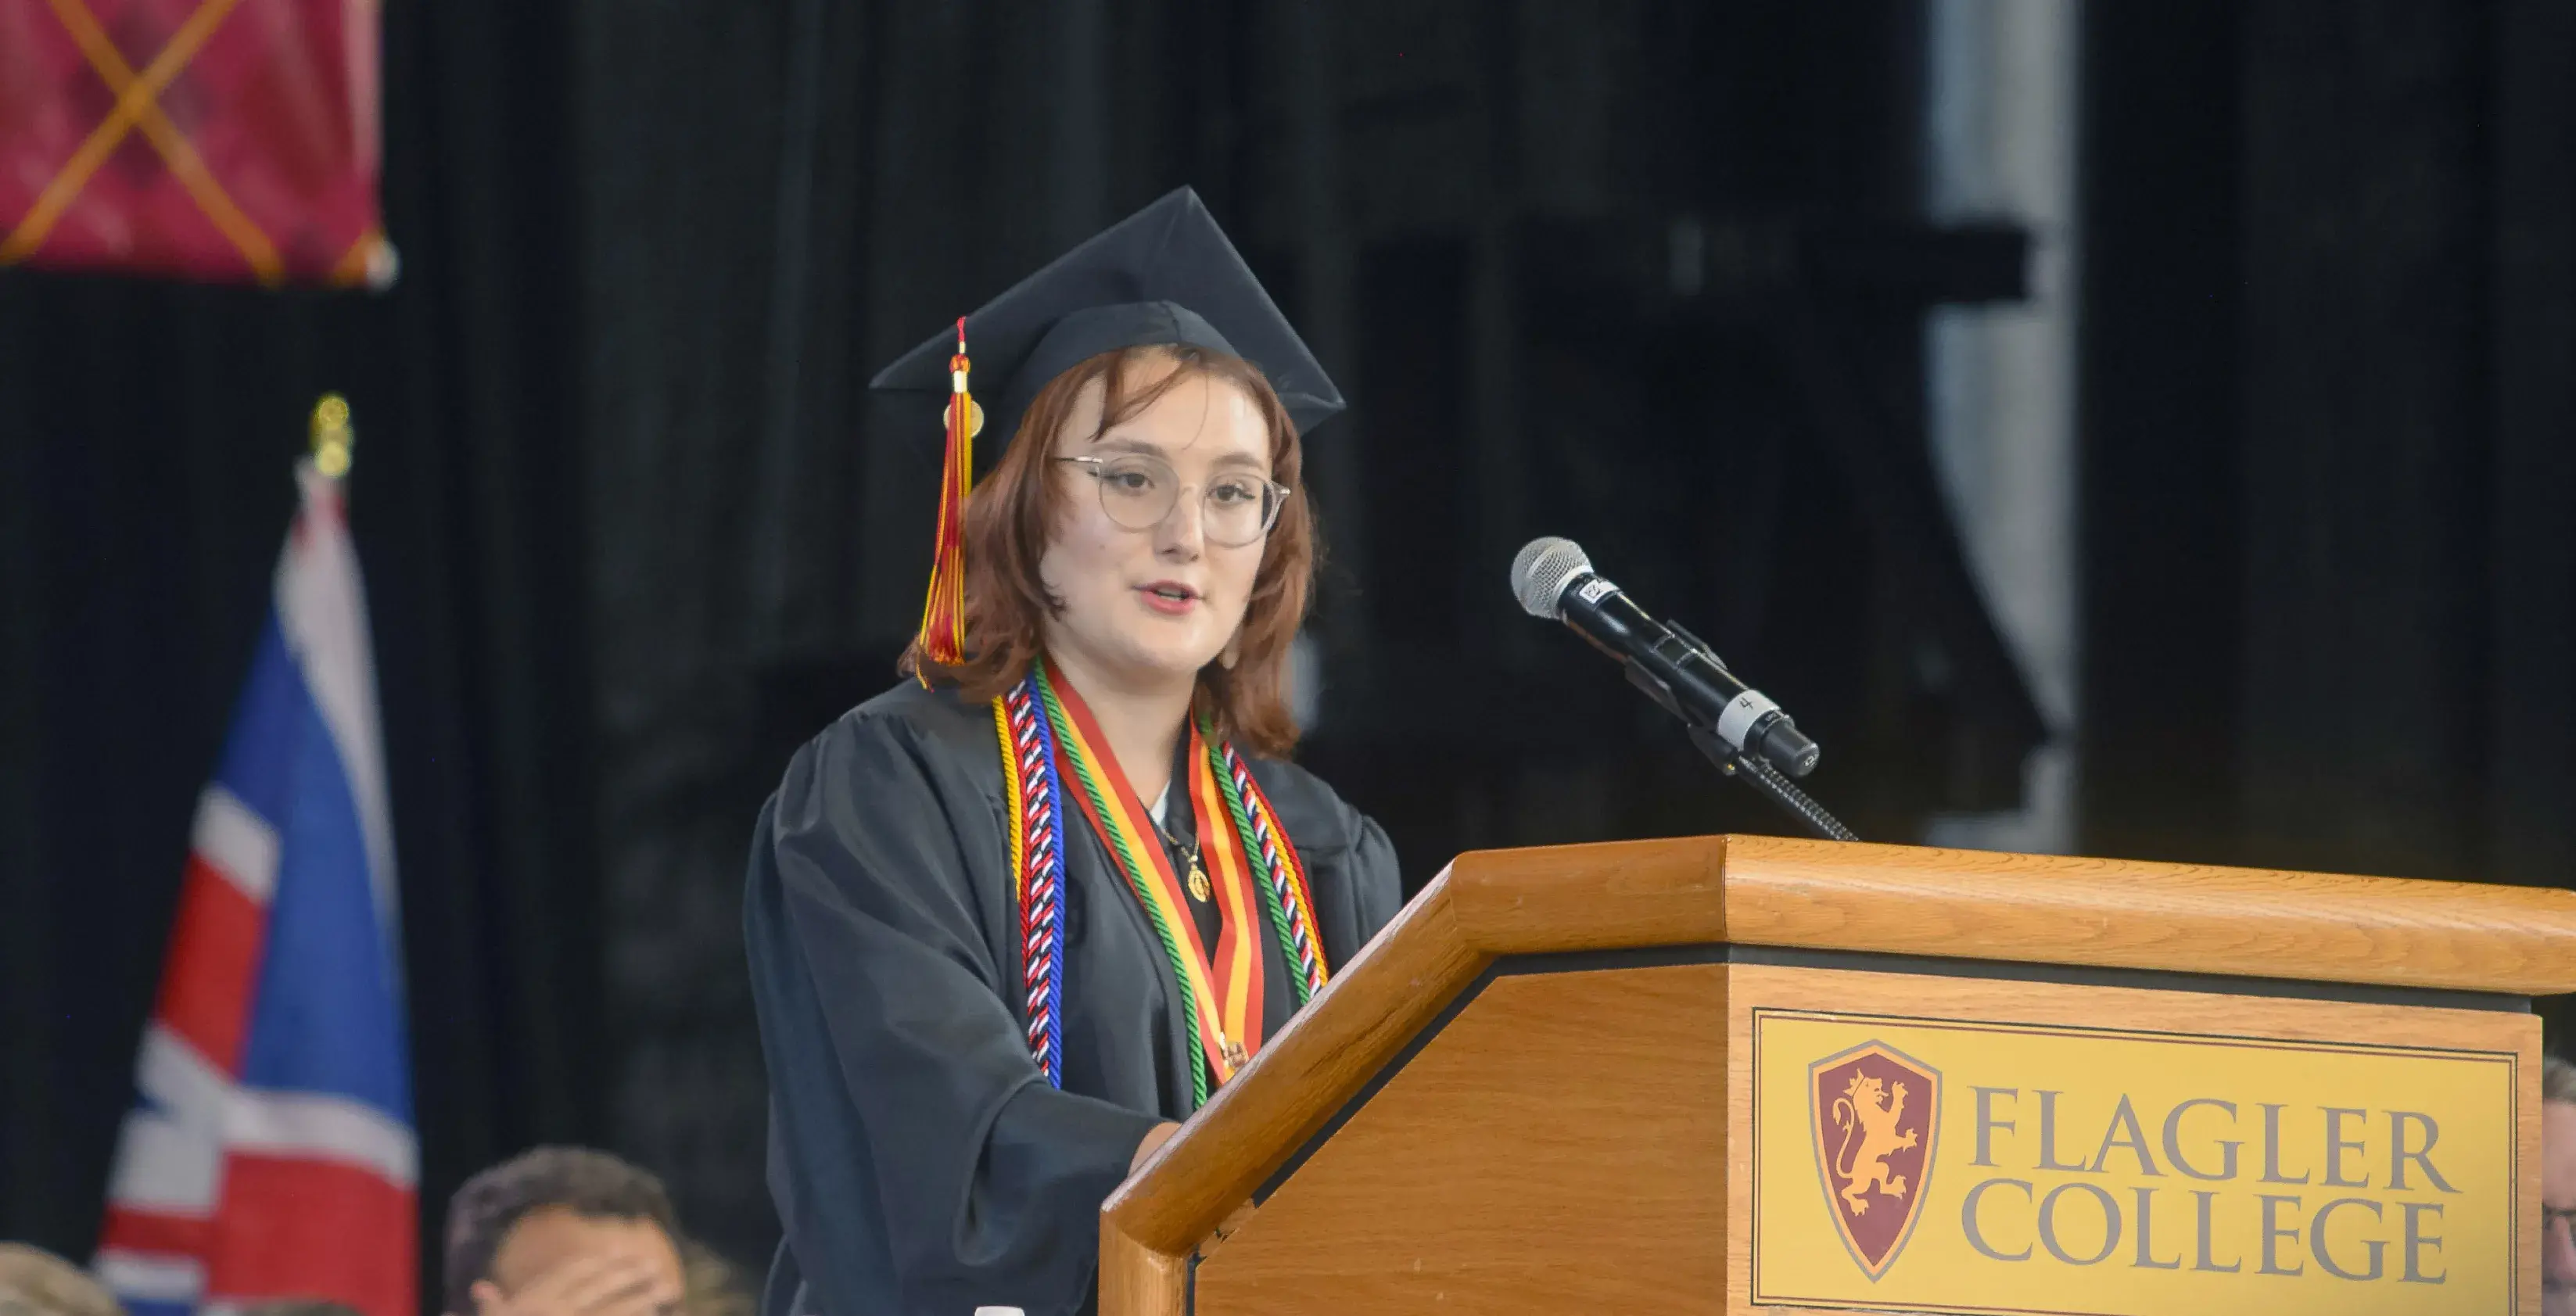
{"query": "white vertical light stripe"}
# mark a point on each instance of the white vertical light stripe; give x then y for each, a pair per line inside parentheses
(322, 608)
(2002, 89)
(308, 1126)
(239, 843)
(149, 1277)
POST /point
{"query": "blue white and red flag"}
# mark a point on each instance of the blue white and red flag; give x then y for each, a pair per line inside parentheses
(271, 1152)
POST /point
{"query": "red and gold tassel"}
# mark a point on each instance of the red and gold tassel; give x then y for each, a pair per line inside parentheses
(943, 616)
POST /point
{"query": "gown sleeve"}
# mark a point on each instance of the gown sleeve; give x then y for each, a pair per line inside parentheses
(920, 1160)
(1377, 890)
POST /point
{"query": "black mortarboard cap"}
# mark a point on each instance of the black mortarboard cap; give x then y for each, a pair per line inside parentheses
(1165, 275)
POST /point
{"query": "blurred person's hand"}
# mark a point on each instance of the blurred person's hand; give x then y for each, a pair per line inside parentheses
(612, 1283)
(36, 1281)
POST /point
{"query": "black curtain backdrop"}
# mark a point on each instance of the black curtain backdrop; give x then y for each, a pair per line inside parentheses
(2330, 384)
(147, 433)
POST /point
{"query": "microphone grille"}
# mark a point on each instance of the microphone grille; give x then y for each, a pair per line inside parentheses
(1541, 571)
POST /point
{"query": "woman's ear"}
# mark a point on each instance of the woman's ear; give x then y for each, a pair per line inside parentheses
(1232, 653)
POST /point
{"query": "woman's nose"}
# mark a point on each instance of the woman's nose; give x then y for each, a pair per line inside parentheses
(1180, 533)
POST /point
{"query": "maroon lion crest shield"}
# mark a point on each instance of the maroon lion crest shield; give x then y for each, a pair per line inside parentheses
(1875, 1111)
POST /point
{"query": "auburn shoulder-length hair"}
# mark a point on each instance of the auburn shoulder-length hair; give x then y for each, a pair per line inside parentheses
(1011, 516)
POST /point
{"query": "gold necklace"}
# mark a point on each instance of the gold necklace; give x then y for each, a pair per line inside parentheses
(1198, 881)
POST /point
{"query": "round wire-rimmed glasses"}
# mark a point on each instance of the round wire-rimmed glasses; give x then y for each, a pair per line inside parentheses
(1137, 491)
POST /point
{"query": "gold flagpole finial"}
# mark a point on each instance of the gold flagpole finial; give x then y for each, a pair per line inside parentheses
(333, 438)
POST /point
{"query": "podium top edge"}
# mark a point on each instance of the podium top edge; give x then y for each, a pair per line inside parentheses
(2040, 909)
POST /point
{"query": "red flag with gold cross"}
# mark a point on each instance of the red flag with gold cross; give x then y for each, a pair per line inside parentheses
(222, 140)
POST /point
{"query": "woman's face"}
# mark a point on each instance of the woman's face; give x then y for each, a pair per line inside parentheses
(1150, 607)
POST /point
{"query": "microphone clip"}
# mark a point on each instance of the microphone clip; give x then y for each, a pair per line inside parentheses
(1771, 784)
(1752, 769)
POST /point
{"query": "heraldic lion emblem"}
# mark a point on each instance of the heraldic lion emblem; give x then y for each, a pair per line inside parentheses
(1873, 1113)
(1868, 1114)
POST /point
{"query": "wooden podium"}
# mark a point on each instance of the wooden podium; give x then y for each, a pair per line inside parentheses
(1739, 1074)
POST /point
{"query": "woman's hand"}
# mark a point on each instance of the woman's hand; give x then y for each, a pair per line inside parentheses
(1154, 1138)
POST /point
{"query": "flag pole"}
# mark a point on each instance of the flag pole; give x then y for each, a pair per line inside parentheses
(335, 441)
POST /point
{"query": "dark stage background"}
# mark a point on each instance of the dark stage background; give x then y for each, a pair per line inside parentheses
(1648, 273)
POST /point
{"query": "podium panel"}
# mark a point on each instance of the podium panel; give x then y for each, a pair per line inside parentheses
(1957, 1144)
(1558, 1144)
(1744, 1074)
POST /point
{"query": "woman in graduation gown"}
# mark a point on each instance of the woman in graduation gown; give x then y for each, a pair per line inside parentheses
(1012, 919)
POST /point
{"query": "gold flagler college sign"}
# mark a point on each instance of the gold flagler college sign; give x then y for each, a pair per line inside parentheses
(2010, 1147)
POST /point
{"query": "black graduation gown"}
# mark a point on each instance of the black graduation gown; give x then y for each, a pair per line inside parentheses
(918, 1158)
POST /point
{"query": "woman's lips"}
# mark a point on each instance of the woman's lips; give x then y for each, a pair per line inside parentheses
(1168, 598)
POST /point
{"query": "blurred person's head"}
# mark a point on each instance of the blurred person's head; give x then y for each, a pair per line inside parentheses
(2558, 1187)
(34, 1282)
(1146, 529)
(563, 1231)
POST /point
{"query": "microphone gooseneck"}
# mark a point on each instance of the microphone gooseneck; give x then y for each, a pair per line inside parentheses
(1767, 781)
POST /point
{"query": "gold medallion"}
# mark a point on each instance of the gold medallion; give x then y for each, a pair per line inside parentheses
(1235, 1055)
(1199, 889)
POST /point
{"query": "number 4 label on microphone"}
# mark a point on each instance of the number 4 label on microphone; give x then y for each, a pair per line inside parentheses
(1743, 713)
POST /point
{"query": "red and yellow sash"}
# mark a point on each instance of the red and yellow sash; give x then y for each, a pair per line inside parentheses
(1238, 952)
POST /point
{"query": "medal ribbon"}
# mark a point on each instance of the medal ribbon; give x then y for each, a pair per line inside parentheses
(1238, 948)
